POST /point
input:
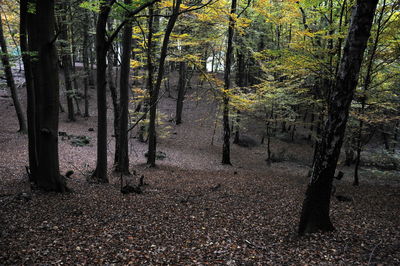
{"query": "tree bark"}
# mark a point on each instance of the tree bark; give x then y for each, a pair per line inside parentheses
(181, 91)
(10, 81)
(240, 80)
(31, 109)
(226, 159)
(115, 103)
(85, 56)
(66, 61)
(124, 96)
(151, 159)
(364, 97)
(100, 174)
(316, 205)
(46, 85)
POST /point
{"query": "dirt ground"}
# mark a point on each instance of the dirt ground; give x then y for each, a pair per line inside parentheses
(194, 210)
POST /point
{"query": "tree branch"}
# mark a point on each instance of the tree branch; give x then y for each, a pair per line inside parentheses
(131, 14)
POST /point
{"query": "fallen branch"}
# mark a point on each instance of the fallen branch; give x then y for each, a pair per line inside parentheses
(372, 252)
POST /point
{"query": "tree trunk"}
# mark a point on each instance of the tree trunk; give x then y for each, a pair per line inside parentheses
(316, 205)
(151, 159)
(10, 81)
(73, 57)
(181, 91)
(124, 97)
(45, 79)
(85, 56)
(226, 159)
(31, 109)
(240, 80)
(367, 82)
(100, 174)
(66, 61)
(115, 103)
(150, 71)
(358, 153)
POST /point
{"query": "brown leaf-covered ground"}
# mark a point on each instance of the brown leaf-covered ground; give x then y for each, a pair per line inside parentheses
(193, 211)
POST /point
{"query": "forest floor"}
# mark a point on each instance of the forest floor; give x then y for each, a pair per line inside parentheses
(193, 210)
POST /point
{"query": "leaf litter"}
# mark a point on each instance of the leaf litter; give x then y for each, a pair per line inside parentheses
(194, 210)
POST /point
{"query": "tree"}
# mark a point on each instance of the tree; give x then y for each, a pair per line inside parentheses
(66, 60)
(123, 165)
(31, 109)
(85, 57)
(112, 59)
(10, 81)
(154, 92)
(315, 211)
(102, 46)
(181, 91)
(226, 159)
(44, 69)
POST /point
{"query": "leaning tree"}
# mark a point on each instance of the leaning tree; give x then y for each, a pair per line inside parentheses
(315, 211)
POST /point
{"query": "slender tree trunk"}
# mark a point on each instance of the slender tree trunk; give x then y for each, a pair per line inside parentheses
(292, 134)
(66, 62)
(124, 97)
(10, 81)
(358, 153)
(241, 73)
(46, 84)
(315, 211)
(115, 103)
(367, 82)
(385, 137)
(12, 33)
(236, 140)
(181, 91)
(226, 159)
(349, 151)
(73, 57)
(268, 120)
(31, 109)
(92, 53)
(101, 53)
(150, 71)
(151, 159)
(85, 55)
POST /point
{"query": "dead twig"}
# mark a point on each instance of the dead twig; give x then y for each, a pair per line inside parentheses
(372, 252)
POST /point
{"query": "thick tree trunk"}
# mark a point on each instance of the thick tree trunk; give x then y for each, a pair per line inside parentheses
(226, 159)
(10, 81)
(124, 97)
(315, 212)
(151, 159)
(46, 84)
(181, 91)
